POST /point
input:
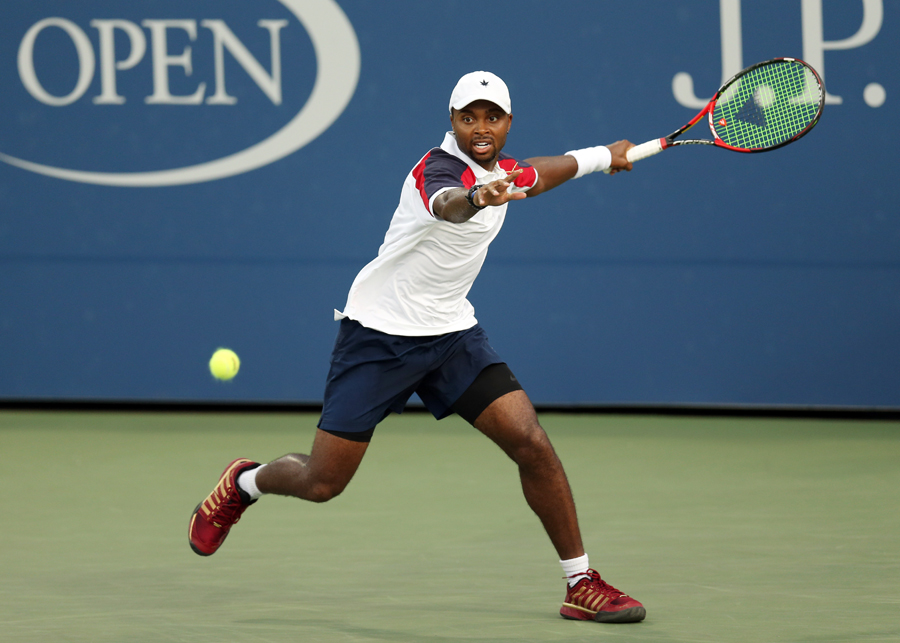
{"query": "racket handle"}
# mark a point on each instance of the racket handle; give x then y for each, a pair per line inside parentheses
(644, 150)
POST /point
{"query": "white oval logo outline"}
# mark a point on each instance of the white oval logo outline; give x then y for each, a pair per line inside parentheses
(337, 74)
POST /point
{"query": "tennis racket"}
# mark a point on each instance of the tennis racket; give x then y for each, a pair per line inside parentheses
(762, 108)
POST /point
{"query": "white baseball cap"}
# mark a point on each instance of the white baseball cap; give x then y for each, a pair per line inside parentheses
(480, 85)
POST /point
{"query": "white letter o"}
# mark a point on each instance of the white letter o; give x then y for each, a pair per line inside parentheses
(85, 62)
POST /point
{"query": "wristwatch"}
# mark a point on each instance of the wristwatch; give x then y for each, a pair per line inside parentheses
(470, 197)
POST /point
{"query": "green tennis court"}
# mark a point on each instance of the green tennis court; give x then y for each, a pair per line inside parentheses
(727, 529)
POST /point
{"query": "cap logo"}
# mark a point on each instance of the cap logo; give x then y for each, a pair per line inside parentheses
(484, 83)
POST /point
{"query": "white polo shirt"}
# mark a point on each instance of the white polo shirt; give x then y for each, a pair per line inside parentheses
(418, 283)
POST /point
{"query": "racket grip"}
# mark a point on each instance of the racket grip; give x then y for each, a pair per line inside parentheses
(643, 150)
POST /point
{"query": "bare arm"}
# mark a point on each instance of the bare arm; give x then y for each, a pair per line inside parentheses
(553, 171)
(452, 205)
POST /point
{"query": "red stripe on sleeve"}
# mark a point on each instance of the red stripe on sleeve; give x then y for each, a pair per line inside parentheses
(419, 175)
(508, 164)
(468, 178)
(526, 179)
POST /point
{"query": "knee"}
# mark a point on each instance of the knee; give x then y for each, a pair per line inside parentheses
(323, 491)
(533, 449)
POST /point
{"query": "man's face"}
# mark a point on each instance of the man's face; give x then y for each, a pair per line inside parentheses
(481, 129)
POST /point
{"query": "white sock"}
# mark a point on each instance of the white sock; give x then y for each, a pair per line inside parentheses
(247, 482)
(575, 569)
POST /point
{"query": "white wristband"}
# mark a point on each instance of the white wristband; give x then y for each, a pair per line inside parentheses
(591, 159)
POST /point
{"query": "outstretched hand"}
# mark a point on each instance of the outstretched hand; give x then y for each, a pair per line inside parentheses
(495, 192)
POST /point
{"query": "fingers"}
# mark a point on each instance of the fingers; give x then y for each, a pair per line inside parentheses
(497, 192)
(628, 146)
(512, 176)
(620, 161)
(492, 193)
(496, 188)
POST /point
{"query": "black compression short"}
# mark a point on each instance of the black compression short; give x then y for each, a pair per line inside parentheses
(493, 382)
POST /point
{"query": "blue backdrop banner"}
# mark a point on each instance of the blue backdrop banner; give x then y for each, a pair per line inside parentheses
(180, 176)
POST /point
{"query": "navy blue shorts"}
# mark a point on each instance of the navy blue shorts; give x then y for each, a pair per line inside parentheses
(373, 373)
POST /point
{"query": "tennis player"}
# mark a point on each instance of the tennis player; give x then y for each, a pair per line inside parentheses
(407, 328)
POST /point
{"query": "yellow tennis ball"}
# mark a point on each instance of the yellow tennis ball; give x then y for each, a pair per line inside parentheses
(224, 364)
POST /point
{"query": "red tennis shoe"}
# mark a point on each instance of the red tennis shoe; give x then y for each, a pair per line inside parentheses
(214, 517)
(593, 599)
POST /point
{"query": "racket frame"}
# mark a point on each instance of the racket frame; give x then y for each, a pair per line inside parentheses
(657, 145)
(710, 108)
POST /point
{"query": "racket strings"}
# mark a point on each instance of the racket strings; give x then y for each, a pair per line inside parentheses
(767, 106)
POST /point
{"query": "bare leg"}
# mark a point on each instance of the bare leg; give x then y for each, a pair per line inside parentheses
(317, 477)
(512, 423)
